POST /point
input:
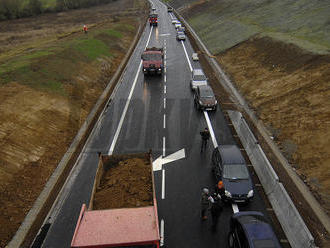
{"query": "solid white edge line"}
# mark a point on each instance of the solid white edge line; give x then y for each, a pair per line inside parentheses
(185, 51)
(164, 122)
(164, 103)
(215, 143)
(164, 146)
(114, 141)
(235, 208)
(163, 184)
(161, 232)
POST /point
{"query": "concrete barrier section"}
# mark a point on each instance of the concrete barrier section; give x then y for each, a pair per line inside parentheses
(287, 214)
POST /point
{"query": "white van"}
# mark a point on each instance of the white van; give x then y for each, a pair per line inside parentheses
(198, 78)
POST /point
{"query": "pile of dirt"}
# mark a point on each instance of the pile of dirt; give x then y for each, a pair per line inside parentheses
(126, 184)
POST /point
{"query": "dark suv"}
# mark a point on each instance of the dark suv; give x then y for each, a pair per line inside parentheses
(251, 230)
(230, 167)
(204, 98)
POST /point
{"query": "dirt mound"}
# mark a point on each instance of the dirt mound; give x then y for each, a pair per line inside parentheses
(126, 184)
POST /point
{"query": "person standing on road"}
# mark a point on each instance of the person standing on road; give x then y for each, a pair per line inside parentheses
(206, 199)
(205, 134)
(216, 210)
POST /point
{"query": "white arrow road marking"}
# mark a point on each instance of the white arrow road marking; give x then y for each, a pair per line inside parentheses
(164, 34)
(157, 164)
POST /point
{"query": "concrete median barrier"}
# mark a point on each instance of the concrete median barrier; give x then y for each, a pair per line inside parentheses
(293, 225)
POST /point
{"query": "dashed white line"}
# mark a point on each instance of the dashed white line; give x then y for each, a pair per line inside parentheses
(164, 121)
(164, 78)
(161, 232)
(164, 69)
(164, 89)
(163, 184)
(164, 103)
(164, 146)
(185, 51)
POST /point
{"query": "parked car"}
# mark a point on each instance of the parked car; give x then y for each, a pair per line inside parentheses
(169, 9)
(182, 29)
(153, 8)
(180, 36)
(194, 57)
(177, 25)
(250, 229)
(197, 79)
(229, 166)
(204, 98)
(174, 21)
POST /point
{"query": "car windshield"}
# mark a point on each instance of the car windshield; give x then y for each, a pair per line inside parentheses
(264, 243)
(151, 56)
(235, 171)
(206, 94)
(199, 78)
(180, 33)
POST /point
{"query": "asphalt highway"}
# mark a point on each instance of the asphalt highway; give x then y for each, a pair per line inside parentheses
(155, 113)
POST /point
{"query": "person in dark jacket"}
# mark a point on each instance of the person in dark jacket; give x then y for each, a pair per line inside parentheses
(205, 134)
(216, 210)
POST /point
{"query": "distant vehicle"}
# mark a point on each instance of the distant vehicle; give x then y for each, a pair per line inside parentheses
(174, 21)
(180, 36)
(229, 166)
(194, 57)
(197, 79)
(250, 229)
(177, 25)
(153, 61)
(204, 98)
(123, 223)
(153, 20)
(169, 9)
(153, 8)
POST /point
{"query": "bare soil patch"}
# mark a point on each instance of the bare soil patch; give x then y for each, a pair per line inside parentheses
(37, 126)
(126, 184)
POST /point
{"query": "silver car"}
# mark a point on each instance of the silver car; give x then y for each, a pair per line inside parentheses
(198, 78)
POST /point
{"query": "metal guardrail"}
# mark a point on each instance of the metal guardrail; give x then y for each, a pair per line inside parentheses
(287, 214)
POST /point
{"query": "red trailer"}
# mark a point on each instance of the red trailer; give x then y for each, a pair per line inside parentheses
(117, 222)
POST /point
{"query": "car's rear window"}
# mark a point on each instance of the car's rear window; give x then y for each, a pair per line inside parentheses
(206, 93)
(235, 171)
(264, 243)
(199, 78)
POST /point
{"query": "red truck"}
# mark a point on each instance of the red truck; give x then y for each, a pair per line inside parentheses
(153, 61)
(153, 19)
(122, 210)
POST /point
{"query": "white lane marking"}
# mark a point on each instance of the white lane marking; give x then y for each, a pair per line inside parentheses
(161, 232)
(165, 56)
(164, 146)
(163, 184)
(165, 78)
(165, 63)
(164, 69)
(114, 141)
(215, 143)
(235, 208)
(185, 51)
(161, 160)
(164, 89)
(164, 103)
(164, 121)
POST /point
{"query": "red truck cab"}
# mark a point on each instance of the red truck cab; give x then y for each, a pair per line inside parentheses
(153, 61)
(153, 20)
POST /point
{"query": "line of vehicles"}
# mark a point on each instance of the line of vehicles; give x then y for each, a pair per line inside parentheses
(138, 226)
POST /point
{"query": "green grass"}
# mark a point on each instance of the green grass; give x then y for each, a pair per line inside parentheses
(92, 48)
(49, 68)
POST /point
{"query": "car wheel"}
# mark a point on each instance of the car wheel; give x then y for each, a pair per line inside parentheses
(231, 240)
